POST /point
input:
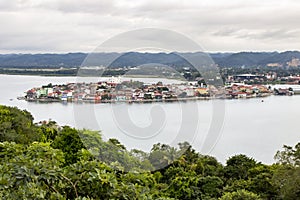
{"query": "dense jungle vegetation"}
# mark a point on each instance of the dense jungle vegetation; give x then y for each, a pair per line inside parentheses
(46, 161)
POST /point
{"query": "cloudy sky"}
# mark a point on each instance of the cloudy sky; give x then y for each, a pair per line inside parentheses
(32, 26)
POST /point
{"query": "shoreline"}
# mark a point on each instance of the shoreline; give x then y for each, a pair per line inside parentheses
(133, 76)
(142, 101)
(75, 76)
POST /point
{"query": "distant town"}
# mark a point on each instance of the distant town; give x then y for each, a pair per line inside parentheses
(116, 90)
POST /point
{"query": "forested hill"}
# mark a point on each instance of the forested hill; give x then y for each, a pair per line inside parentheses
(46, 161)
(248, 59)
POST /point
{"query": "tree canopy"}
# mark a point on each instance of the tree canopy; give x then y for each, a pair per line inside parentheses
(46, 161)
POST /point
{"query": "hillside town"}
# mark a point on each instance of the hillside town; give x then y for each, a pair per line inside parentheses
(263, 78)
(115, 90)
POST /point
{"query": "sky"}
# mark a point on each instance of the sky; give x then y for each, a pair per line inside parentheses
(61, 26)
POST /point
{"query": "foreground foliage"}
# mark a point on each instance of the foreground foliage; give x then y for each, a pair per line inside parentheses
(46, 161)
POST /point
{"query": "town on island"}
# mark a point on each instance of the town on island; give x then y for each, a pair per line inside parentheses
(116, 90)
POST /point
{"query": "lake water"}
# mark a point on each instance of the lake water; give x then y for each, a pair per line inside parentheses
(221, 128)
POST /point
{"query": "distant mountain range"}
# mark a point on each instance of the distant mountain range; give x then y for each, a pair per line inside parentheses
(247, 59)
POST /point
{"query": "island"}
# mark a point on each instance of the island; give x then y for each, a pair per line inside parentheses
(115, 90)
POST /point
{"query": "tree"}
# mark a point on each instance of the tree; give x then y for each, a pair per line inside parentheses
(17, 126)
(289, 155)
(89, 179)
(30, 172)
(162, 155)
(287, 173)
(70, 143)
(237, 167)
(240, 195)
(287, 180)
(48, 132)
(261, 181)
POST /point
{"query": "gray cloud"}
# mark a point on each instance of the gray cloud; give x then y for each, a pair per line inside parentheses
(217, 25)
(71, 6)
(271, 34)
